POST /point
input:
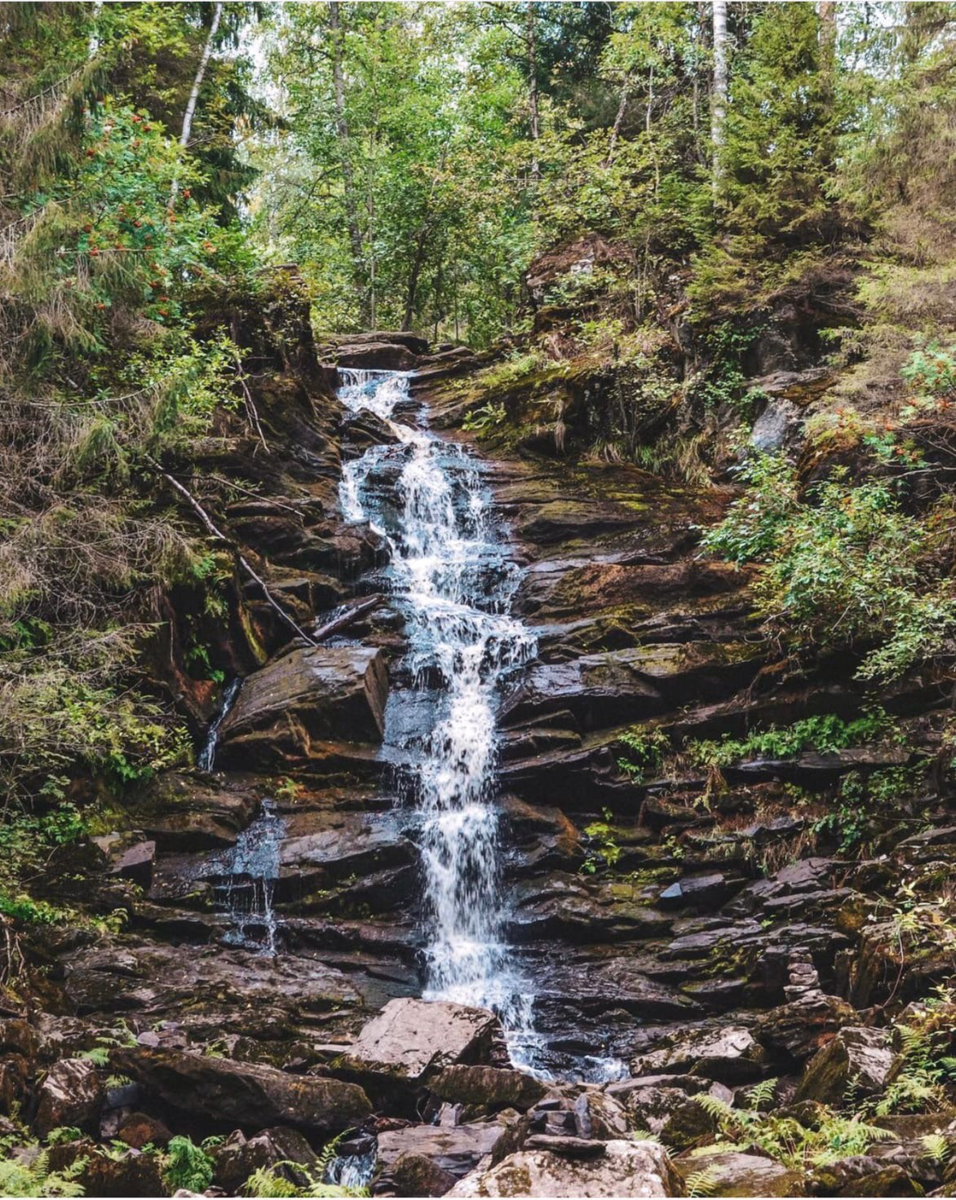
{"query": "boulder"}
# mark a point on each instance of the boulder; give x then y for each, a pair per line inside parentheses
(734, 1174)
(409, 1039)
(295, 707)
(414, 1174)
(670, 1113)
(244, 1095)
(623, 1169)
(729, 1054)
(455, 1149)
(858, 1056)
(106, 1173)
(71, 1094)
(488, 1087)
(382, 356)
(136, 864)
(239, 1156)
(139, 1129)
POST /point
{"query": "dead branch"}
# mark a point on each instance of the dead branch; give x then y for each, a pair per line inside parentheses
(217, 533)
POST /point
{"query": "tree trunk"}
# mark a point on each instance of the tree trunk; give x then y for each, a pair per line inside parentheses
(413, 276)
(718, 104)
(194, 94)
(618, 121)
(826, 14)
(533, 89)
(342, 132)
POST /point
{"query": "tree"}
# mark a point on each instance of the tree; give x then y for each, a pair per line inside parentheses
(719, 95)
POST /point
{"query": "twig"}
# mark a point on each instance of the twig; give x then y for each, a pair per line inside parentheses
(343, 620)
(243, 561)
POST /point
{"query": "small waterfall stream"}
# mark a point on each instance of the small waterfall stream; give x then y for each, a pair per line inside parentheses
(452, 581)
(206, 758)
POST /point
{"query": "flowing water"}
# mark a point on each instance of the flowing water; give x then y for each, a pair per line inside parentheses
(206, 758)
(452, 581)
(248, 874)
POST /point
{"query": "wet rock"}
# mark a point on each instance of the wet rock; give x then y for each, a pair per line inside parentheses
(244, 1095)
(779, 425)
(596, 689)
(740, 1175)
(855, 1054)
(181, 811)
(410, 1039)
(238, 1157)
(380, 356)
(364, 429)
(488, 1086)
(729, 1054)
(295, 706)
(71, 1094)
(701, 891)
(624, 1169)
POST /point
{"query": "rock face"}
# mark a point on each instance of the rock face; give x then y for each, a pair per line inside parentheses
(733, 1174)
(622, 1169)
(411, 1038)
(72, 1094)
(244, 1095)
(302, 705)
(488, 1086)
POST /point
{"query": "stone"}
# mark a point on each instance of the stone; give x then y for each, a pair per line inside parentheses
(71, 1094)
(139, 1129)
(634, 1169)
(244, 1095)
(856, 1055)
(411, 1038)
(414, 1174)
(729, 1054)
(740, 1175)
(564, 1145)
(183, 811)
(108, 1174)
(803, 1026)
(136, 864)
(671, 1114)
(298, 706)
(456, 1149)
(488, 1086)
(238, 1157)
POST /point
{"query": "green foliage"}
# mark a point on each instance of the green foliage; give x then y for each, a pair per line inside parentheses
(603, 848)
(824, 733)
(831, 1136)
(848, 566)
(644, 752)
(187, 1165)
(25, 1171)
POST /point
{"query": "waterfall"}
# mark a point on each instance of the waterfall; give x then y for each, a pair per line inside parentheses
(452, 581)
(206, 758)
(248, 874)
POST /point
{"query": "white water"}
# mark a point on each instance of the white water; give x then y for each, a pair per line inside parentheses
(206, 758)
(452, 582)
(250, 870)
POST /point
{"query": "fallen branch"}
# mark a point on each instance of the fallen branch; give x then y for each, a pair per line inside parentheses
(243, 561)
(349, 617)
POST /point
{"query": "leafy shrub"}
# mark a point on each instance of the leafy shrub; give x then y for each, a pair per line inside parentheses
(644, 752)
(849, 568)
(29, 1174)
(187, 1165)
(824, 733)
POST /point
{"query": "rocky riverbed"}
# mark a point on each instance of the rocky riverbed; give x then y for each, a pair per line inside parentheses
(695, 942)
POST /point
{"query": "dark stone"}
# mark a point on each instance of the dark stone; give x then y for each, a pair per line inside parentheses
(244, 1095)
(136, 864)
(71, 1094)
(238, 1157)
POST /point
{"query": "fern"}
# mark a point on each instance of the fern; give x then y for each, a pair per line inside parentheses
(702, 1183)
(99, 1056)
(645, 1135)
(31, 1176)
(761, 1094)
(188, 1165)
(937, 1147)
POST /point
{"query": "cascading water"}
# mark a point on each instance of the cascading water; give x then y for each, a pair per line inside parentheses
(248, 873)
(452, 582)
(206, 758)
